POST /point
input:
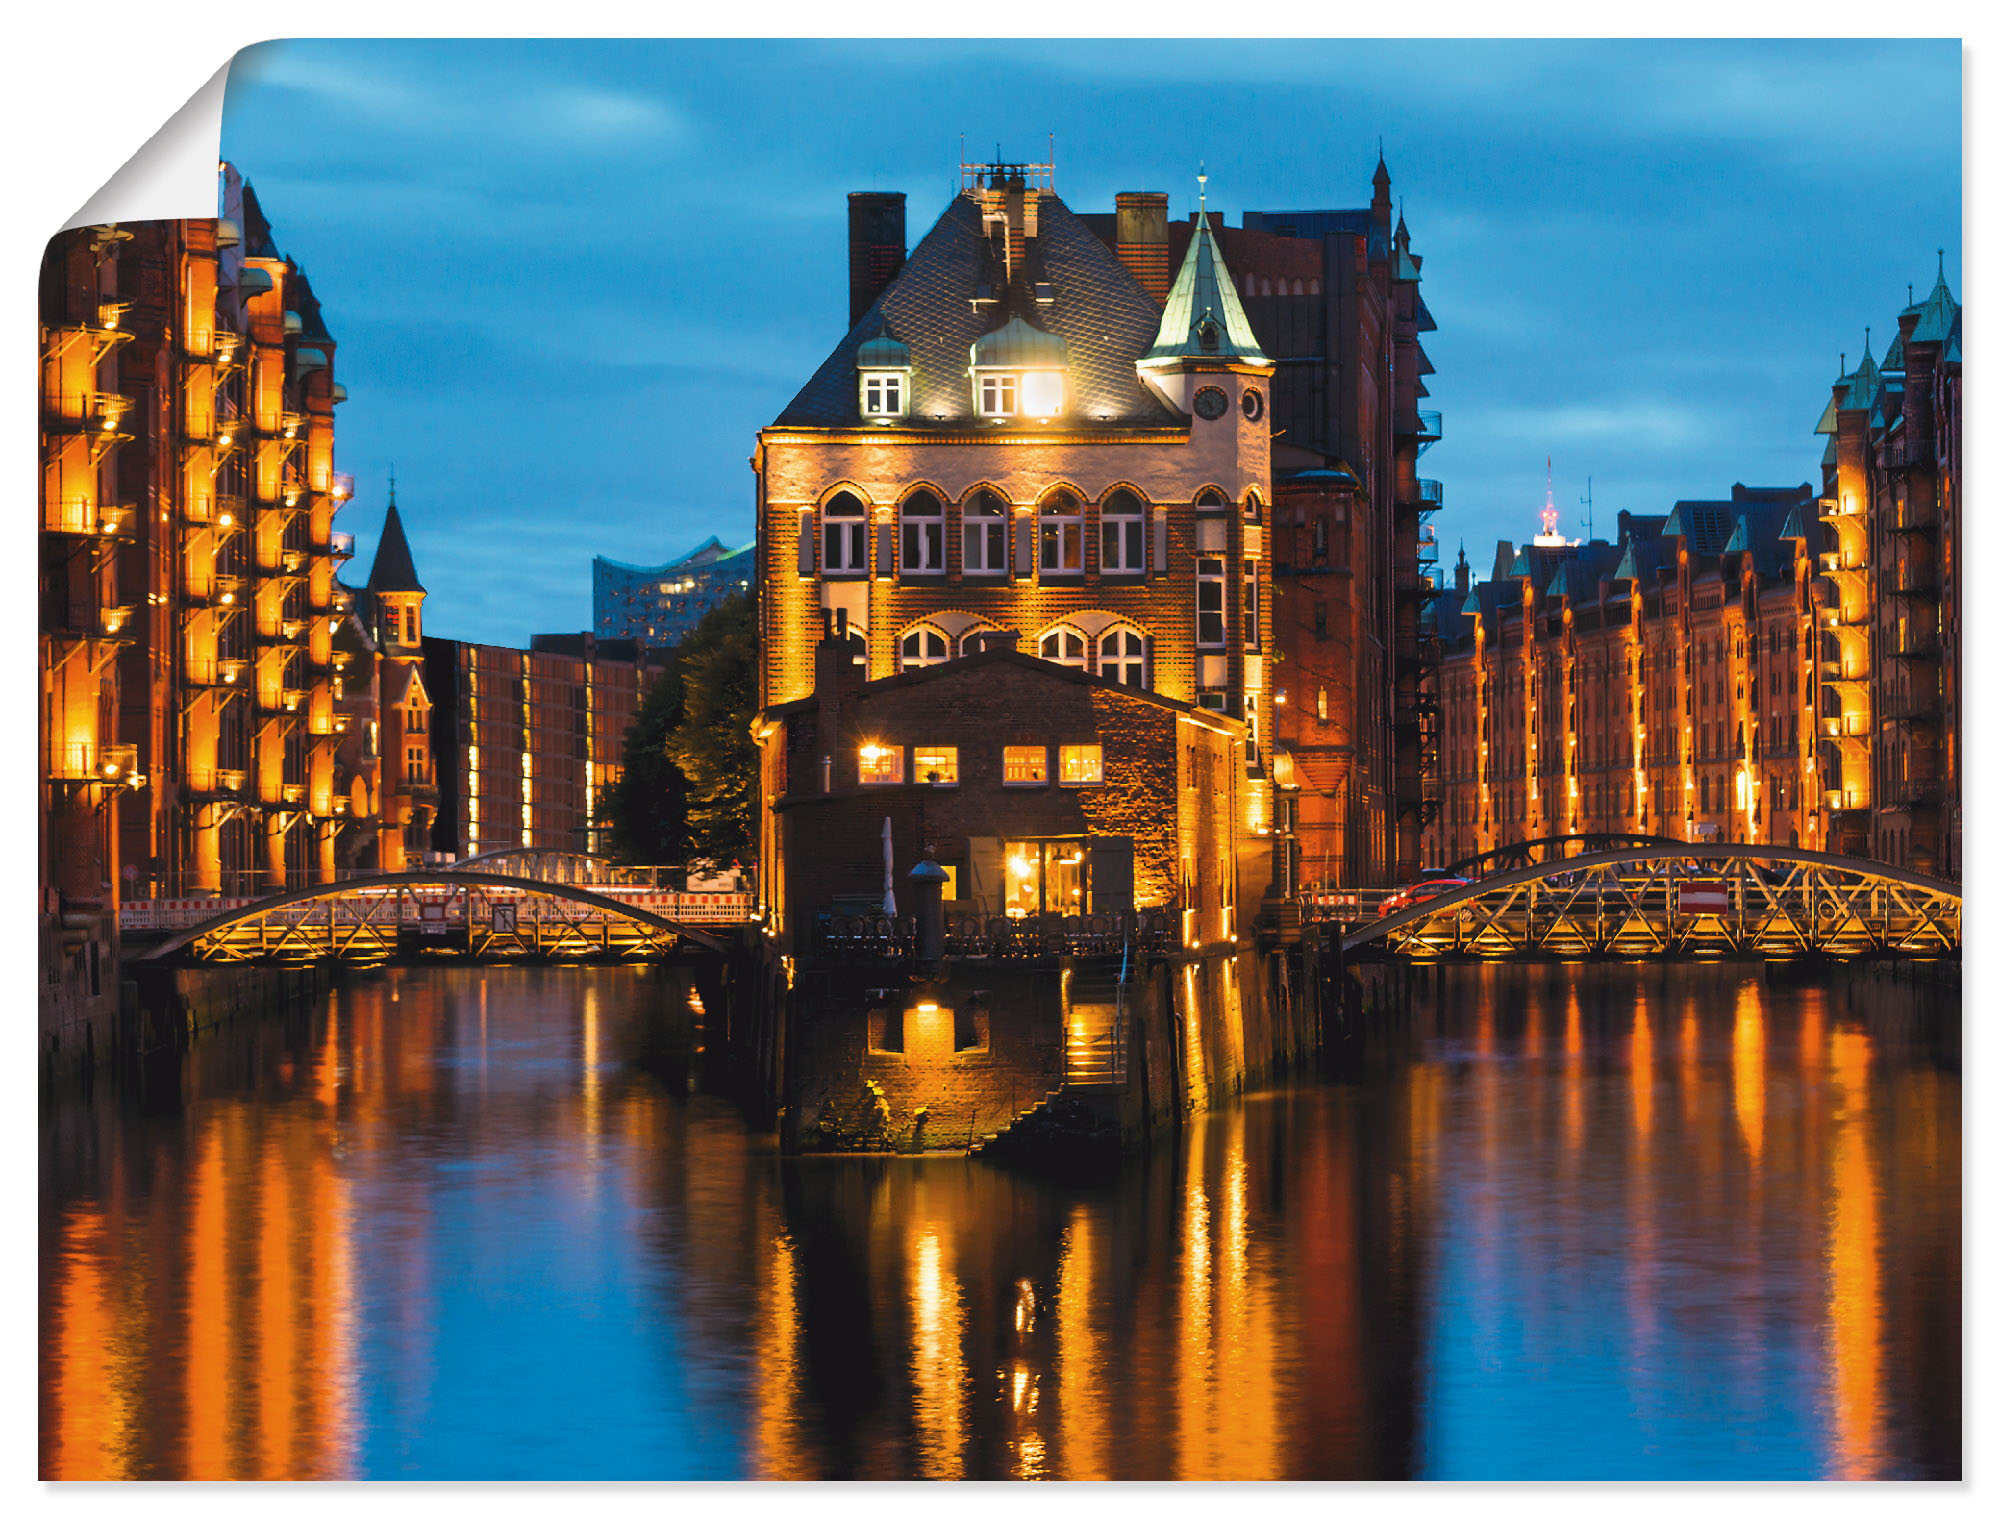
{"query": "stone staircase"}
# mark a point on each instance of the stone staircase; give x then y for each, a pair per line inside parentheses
(979, 1144)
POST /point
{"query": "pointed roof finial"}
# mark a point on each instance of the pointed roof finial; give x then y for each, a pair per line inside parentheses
(392, 485)
(1867, 344)
(1940, 266)
(1201, 178)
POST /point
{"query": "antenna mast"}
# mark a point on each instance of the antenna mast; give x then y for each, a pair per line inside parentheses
(1589, 520)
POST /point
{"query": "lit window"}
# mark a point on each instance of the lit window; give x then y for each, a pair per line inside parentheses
(999, 395)
(881, 765)
(1209, 618)
(846, 537)
(1062, 535)
(924, 646)
(1042, 393)
(936, 766)
(1251, 621)
(985, 535)
(1025, 765)
(1082, 764)
(1211, 500)
(1063, 646)
(923, 535)
(882, 393)
(1122, 547)
(1121, 656)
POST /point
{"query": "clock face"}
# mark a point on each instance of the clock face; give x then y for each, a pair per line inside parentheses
(1253, 404)
(1210, 403)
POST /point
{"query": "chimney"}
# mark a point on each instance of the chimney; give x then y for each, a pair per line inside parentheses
(836, 675)
(1142, 240)
(999, 641)
(874, 246)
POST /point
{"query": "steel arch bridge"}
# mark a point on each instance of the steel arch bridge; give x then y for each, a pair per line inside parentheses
(457, 914)
(1523, 853)
(1744, 900)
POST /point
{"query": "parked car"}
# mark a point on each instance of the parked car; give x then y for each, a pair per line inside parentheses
(1428, 884)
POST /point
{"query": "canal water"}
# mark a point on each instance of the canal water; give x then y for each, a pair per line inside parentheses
(1603, 1222)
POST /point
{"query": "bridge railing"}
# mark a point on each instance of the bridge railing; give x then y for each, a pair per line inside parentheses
(171, 914)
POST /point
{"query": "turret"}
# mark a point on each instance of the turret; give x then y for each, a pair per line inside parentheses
(395, 589)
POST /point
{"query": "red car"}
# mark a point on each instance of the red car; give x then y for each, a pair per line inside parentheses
(1432, 883)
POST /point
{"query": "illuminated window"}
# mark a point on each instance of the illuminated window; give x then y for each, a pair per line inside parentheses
(1082, 764)
(1122, 547)
(846, 551)
(1211, 500)
(882, 393)
(881, 765)
(985, 535)
(1121, 656)
(999, 395)
(1062, 535)
(1064, 646)
(923, 535)
(924, 646)
(1210, 621)
(936, 765)
(1024, 765)
(1251, 620)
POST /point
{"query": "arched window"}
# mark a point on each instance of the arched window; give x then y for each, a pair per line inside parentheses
(1064, 646)
(1211, 500)
(1253, 506)
(1122, 548)
(985, 535)
(924, 646)
(1121, 656)
(923, 534)
(1061, 524)
(846, 549)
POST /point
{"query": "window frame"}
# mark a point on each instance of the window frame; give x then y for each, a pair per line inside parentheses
(919, 752)
(1010, 754)
(874, 379)
(1210, 579)
(1063, 630)
(1062, 528)
(850, 529)
(998, 392)
(991, 528)
(1063, 753)
(1108, 658)
(922, 531)
(923, 661)
(888, 775)
(1121, 521)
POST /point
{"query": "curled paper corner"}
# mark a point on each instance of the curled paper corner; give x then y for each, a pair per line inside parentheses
(172, 176)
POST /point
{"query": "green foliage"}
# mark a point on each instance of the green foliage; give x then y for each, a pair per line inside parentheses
(712, 743)
(690, 781)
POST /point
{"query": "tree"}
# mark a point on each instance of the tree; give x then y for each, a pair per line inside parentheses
(711, 744)
(690, 780)
(647, 804)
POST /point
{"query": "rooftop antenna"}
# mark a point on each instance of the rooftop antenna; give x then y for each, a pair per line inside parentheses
(1201, 178)
(1589, 517)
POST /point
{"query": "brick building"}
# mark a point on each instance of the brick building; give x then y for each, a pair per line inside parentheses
(1333, 297)
(658, 605)
(1096, 480)
(1041, 788)
(1780, 667)
(188, 682)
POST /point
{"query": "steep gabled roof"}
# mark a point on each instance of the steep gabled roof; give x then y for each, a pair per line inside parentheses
(1705, 524)
(1204, 317)
(393, 569)
(1097, 308)
(1938, 313)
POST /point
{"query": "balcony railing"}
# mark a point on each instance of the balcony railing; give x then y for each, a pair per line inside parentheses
(1431, 492)
(115, 622)
(1845, 725)
(94, 411)
(341, 545)
(1430, 427)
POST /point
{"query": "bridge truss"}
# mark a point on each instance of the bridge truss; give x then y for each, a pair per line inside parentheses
(1690, 899)
(458, 915)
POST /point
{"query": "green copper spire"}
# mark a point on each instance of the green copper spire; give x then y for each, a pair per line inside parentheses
(1203, 318)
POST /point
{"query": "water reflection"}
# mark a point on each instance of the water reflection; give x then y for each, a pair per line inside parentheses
(1571, 1223)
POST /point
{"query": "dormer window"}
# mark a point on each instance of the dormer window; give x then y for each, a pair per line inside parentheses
(884, 366)
(1018, 372)
(882, 393)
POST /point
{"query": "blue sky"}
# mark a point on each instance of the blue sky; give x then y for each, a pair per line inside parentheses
(571, 280)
